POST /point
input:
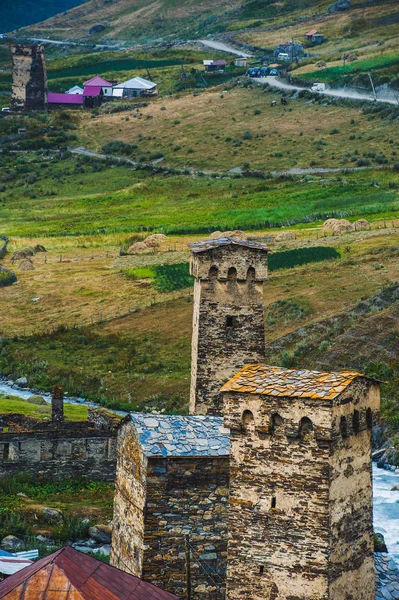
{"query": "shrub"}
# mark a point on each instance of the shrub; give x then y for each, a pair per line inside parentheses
(119, 147)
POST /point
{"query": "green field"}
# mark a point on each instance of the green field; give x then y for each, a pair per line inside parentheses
(13, 404)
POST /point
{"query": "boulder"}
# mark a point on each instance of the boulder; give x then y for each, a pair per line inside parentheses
(395, 488)
(379, 543)
(96, 28)
(105, 550)
(339, 6)
(101, 533)
(22, 382)
(361, 224)
(39, 400)
(52, 516)
(11, 543)
(284, 236)
(337, 226)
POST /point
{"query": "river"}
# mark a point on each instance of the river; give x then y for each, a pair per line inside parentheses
(386, 502)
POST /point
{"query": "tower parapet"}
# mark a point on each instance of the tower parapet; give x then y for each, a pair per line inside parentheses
(228, 320)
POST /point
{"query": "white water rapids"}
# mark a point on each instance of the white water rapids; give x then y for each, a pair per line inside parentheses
(386, 502)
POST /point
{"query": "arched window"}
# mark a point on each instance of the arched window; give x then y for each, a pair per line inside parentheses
(343, 427)
(213, 272)
(305, 427)
(232, 279)
(251, 278)
(276, 422)
(247, 418)
(356, 421)
(369, 418)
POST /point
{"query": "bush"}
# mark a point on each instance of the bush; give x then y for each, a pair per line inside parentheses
(118, 147)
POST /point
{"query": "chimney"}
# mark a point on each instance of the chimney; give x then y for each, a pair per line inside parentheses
(57, 404)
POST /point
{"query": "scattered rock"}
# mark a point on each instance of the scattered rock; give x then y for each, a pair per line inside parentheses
(26, 265)
(339, 6)
(395, 488)
(105, 550)
(361, 224)
(379, 543)
(37, 400)
(11, 543)
(22, 382)
(101, 533)
(284, 236)
(96, 28)
(52, 516)
(337, 226)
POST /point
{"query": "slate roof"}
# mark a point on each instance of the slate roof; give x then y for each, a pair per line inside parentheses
(137, 83)
(170, 435)
(276, 381)
(205, 245)
(387, 577)
(70, 575)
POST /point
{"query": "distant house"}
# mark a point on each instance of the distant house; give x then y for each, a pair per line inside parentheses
(97, 86)
(314, 36)
(66, 100)
(288, 51)
(75, 90)
(241, 62)
(134, 87)
(214, 66)
(70, 574)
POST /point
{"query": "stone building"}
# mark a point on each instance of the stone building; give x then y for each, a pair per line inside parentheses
(29, 78)
(172, 482)
(59, 449)
(300, 513)
(228, 319)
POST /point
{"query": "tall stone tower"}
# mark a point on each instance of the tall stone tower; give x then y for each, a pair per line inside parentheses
(228, 321)
(300, 522)
(29, 78)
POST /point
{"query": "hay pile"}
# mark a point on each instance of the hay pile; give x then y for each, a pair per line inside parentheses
(236, 234)
(337, 226)
(152, 242)
(361, 225)
(284, 236)
(26, 265)
(28, 251)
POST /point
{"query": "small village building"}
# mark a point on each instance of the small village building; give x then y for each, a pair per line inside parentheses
(76, 89)
(289, 50)
(172, 482)
(134, 88)
(314, 36)
(241, 61)
(97, 86)
(71, 575)
(215, 66)
(65, 100)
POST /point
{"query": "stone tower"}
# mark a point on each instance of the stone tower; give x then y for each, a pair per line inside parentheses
(300, 522)
(29, 78)
(57, 404)
(228, 320)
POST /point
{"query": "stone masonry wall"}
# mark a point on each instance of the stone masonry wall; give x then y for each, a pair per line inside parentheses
(129, 503)
(29, 87)
(300, 498)
(187, 496)
(228, 321)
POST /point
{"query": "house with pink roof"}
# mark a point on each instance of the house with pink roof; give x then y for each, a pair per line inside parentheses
(97, 86)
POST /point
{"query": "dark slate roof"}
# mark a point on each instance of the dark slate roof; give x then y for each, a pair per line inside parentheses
(226, 241)
(170, 435)
(68, 573)
(387, 577)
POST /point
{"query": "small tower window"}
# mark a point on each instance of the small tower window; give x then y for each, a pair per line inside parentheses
(247, 419)
(231, 321)
(369, 418)
(305, 427)
(232, 274)
(261, 570)
(274, 502)
(343, 427)
(213, 272)
(6, 451)
(356, 421)
(275, 422)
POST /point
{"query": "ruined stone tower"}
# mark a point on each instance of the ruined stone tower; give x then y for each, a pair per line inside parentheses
(29, 78)
(57, 404)
(228, 320)
(300, 520)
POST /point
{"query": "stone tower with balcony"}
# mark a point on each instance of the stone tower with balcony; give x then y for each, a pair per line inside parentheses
(228, 320)
(300, 507)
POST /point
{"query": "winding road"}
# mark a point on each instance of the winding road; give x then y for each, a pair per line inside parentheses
(340, 93)
(224, 48)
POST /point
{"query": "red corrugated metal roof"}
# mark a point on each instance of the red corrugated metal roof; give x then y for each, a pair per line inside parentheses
(92, 91)
(98, 81)
(77, 576)
(311, 32)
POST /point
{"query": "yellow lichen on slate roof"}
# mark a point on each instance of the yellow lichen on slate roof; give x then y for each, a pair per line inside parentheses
(276, 381)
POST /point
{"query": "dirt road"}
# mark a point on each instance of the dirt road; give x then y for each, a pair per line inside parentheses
(224, 48)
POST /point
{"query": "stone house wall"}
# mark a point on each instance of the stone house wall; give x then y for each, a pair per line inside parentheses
(228, 320)
(158, 501)
(300, 497)
(56, 451)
